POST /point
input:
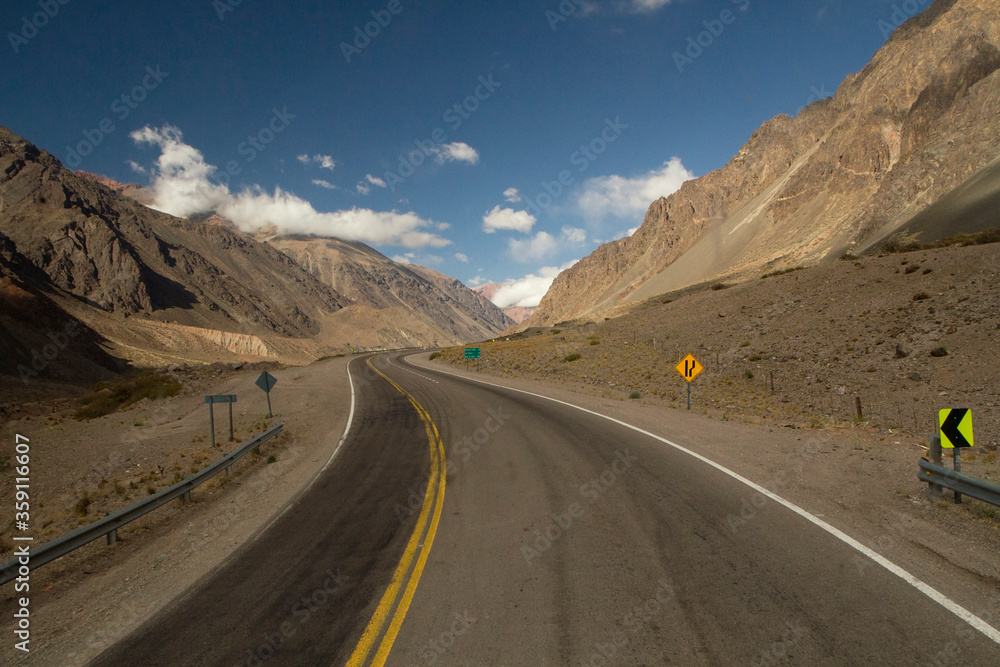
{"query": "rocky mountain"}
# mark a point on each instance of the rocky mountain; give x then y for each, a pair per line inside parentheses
(516, 313)
(915, 123)
(120, 257)
(151, 288)
(428, 307)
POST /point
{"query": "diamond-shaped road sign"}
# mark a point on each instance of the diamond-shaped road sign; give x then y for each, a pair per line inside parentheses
(689, 368)
(266, 381)
(956, 427)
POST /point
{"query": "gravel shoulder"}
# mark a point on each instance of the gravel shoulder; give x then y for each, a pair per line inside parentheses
(854, 478)
(88, 600)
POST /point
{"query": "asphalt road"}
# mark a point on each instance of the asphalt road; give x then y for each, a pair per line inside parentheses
(563, 539)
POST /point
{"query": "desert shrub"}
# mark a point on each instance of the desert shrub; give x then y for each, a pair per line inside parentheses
(113, 395)
(921, 296)
(435, 355)
(635, 394)
(720, 286)
(570, 357)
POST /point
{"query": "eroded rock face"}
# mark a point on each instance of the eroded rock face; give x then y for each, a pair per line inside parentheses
(371, 279)
(115, 254)
(911, 126)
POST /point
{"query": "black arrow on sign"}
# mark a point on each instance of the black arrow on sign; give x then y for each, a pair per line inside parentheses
(950, 427)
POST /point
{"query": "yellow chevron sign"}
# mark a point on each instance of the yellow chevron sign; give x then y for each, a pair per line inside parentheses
(956, 427)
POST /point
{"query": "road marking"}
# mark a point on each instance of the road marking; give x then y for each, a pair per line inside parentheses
(979, 624)
(403, 368)
(433, 497)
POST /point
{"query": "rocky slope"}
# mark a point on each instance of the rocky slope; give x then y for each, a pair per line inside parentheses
(120, 257)
(428, 307)
(915, 123)
(80, 253)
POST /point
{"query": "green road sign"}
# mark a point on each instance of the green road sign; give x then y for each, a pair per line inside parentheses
(473, 352)
(956, 427)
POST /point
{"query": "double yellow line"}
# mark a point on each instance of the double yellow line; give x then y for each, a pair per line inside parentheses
(430, 512)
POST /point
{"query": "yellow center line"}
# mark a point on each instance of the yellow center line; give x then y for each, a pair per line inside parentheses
(435, 490)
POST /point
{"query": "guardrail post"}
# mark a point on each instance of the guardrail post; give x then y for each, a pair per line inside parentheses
(113, 536)
(186, 498)
(935, 491)
(229, 470)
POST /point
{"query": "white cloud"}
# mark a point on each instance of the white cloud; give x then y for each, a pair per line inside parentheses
(404, 259)
(512, 195)
(535, 248)
(648, 5)
(376, 181)
(508, 218)
(135, 166)
(462, 257)
(457, 152)
(364, 188)
(622, 197)
(528, 291)
(324, 161)
(182, 185)
(574, 234)
(324, 184)
(477, 281)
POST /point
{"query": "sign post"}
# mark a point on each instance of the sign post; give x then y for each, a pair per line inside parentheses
(689, 368)
(266, 382)
(956, 434)
(473, 353)
(222, 398)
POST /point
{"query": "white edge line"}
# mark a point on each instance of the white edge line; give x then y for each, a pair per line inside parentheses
(931, 592)
(343, 439)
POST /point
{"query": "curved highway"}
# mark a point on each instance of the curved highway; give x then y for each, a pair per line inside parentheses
(466, 524)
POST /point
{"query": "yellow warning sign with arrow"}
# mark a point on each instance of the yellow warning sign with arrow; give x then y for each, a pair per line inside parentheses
(956, 427)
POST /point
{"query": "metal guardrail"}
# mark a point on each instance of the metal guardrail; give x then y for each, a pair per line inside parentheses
(934, 473)
(110, 524)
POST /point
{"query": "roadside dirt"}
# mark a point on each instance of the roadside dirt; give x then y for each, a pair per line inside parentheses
(86, 601)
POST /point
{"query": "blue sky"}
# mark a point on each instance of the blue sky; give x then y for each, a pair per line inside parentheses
(439, 137)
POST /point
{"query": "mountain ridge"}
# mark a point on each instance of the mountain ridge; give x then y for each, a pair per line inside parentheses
(911, 126)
